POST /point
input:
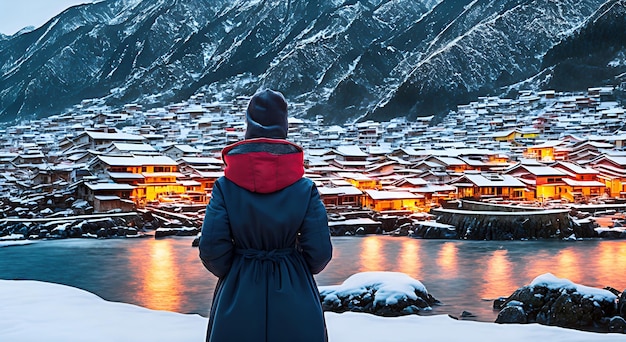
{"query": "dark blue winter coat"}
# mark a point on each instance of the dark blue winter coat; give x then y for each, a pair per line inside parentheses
(265, 234)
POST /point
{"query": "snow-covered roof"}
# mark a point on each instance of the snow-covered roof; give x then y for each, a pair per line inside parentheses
(185, 148)
(577, 169)
(573, 182)
(339, 190)
(137, 160)
(543, 170)
(109, 186)
(548, 144)
(114, 136)
(355, 176)
(493, 180)
(391, 195)
(350, 151)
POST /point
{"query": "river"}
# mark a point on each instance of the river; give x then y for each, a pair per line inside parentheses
(166, 274)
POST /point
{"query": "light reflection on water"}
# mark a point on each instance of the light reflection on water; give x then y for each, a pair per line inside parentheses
(166, 274)
(157, 275)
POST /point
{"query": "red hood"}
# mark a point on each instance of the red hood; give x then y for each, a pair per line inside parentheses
(263, 165)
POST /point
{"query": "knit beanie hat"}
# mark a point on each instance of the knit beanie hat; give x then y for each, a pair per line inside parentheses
(266, 116)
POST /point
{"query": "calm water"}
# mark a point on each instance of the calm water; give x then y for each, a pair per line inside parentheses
(166, 273)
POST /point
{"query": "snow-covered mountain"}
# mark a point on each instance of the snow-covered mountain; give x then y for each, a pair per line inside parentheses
(343, 59)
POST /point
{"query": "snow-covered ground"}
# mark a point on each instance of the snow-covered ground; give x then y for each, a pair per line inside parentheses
(39, 311)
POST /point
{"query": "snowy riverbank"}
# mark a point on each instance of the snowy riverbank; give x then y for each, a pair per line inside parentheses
(33, 310)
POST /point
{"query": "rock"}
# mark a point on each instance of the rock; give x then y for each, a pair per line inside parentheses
(512, 314)
(196, 241)
(366, 296)
(621, 309)
(560, 305)
(617, 324)
(467, 314)
(360, 231)
(75, 232)
(498, 303)
(102, 233)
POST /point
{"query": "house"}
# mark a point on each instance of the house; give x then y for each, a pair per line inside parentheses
(515, 134)
(382, 200)
(434, 193)
(152, 176)
(181, 150)
(342, 195)
(588, 150)
(100, 140)
(131, 149)
(107, 196)
(612, 171)
(187, 164)
(206, 179)
(450, 164)
(360, 180)
(350, 157)
(582, 183)
(483, 186)
(410, 154)
(383, 168)
(543, 152)
(547, 182)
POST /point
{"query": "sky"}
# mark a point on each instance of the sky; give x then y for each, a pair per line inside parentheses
(36, 311)
(17, 14)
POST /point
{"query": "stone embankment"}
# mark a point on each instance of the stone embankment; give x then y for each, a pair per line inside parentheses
(485, 221)
(499, 225)
(38, 218)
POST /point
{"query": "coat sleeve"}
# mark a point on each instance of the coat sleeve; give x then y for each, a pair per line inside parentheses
(314, 237)
(216, 244)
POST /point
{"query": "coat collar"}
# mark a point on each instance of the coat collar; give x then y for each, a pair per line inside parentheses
(263, 165)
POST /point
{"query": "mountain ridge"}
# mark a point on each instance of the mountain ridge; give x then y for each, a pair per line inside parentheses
(344, 60)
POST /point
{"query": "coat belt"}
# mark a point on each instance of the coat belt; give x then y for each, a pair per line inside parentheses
(274, 255)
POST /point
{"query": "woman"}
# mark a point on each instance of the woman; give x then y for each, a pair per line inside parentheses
(265, 234)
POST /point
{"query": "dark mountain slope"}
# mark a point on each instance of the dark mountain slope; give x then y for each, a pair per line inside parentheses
(343, 59)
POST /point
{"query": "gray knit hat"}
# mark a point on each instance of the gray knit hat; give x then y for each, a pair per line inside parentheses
(266, 116)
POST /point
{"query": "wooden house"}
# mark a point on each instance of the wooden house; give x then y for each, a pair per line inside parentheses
(543, 152)
(181, 150)
(482, 186)
(343, 195)
(360, 180)
(131, 149)
(152, 176)
(547, 182)
(582, 183)
(206, 179)
(450, 164)
(382, 200)
(107, 196)
(434, 193)
(588, 150)
(350, 157)
(612, 171)
(100, 140)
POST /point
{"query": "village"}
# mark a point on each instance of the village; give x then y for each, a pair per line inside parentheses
(545, 149)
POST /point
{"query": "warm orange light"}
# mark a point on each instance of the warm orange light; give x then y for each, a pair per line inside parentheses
(541, 263)
(498, 271)
(371, 254)
(567, 265)
(159, 280)
(608, 257)
(448, 258)
(408, 258)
